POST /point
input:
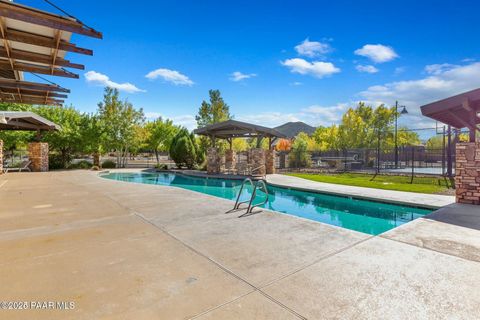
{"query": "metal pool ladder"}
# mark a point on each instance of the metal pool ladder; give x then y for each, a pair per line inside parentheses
(260, 184)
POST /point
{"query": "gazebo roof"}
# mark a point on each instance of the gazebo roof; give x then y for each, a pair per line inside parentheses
(237, 129)
(460, 111)
(27, 121)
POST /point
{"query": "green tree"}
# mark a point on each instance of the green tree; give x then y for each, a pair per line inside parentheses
(93, 137)
(184, 149)
(159, 135)
(299, 156)
(121, 120)
(214, 111)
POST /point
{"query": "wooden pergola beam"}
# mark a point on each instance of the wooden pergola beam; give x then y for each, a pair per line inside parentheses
(42, 41)
(10, 83)
(38, 93)
(38, 58)
(33, 100)
(20, 66)
(34, 16)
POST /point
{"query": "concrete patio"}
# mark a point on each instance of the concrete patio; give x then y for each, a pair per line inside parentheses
(134, 251)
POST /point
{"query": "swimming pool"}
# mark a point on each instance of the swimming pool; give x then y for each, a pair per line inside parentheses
(355, 214)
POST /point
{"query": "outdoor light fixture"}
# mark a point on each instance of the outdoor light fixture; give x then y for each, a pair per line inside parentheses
(404, 110)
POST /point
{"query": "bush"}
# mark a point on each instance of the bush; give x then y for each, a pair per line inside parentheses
(184, 149)
(109, 164)
(55, 161)
(299, 157)
(84, 164)
(161, 166)
(95, 168)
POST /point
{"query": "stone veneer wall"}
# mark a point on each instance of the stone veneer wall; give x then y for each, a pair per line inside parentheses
(467, 173)
(230, 159)
(38, 155)
(212, 160)
(270, 161)
(1, 156)
(257, 160)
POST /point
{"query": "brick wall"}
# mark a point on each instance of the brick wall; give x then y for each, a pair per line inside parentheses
(230, 159)
(467, 173)
(270, 161)
(38, 155)
(257, 160)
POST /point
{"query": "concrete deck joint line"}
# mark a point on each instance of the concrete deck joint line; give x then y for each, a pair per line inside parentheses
(223, 268)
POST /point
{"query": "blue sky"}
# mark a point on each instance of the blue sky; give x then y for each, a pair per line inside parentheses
(293, 60)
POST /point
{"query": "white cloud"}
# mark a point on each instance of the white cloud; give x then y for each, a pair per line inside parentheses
(296, 83)
(366, 68)
(317, 69)
(103, 80)
(399, 70)
(439, 68)
(172, 76)
(238, 76)
(314, 115)
(377, 52)
(312, 48)
(443, 81)
(187, 120)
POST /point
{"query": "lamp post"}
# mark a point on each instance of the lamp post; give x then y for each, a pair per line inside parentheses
(404, 111)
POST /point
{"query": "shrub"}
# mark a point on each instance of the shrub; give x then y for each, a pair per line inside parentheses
(55, 161)
(109, 164)
(84, 164)
(299, 157)
(95, 168)
(161, 166)
(184, 150)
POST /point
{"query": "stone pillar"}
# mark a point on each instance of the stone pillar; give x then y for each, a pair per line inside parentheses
(212, 160)
(230, 159)
(257, 161)
(1, 156)
(38, 155)
(270, 161)
(467, 172)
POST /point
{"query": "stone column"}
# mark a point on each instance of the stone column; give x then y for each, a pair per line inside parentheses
(467, 172)
(230, 159)
(257, 160)
(38, 155)
(212, 160)
(1, 156)
(270, 161)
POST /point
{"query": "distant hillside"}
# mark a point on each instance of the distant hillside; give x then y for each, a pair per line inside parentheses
(291, 129)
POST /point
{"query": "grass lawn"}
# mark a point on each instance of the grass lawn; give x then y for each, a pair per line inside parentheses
(400, 183)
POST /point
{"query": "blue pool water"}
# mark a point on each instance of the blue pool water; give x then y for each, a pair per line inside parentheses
(360, 215)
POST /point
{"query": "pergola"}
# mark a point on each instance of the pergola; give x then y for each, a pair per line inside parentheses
(236, 129)
(36, 41)
(460, 111)
(26, 121)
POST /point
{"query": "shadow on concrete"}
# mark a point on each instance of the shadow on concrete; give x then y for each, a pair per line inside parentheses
(463, 215)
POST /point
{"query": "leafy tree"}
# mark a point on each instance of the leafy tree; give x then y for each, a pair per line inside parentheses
(239, 144)
(159, 135)
(93, 136)
(217, 110)
(299, 156)
(121, 120)
(284, 145)
(184, 149)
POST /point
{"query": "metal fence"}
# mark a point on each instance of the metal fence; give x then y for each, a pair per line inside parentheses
(416, 160)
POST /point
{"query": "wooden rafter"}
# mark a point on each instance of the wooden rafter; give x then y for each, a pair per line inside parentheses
(38, 58)
(10, 83)
(26, 92)
(20, 66)
(33, 100)
(43, 41)
(34, 16)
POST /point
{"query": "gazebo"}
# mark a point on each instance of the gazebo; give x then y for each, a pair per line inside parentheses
(37, 151)
(260, 161)
(462, 111)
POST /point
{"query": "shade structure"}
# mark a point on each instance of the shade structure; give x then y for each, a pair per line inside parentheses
(237, 129)
(459, 111)
(37, 41)
(28, 121)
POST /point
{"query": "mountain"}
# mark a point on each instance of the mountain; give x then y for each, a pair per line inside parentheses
(291, 129)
